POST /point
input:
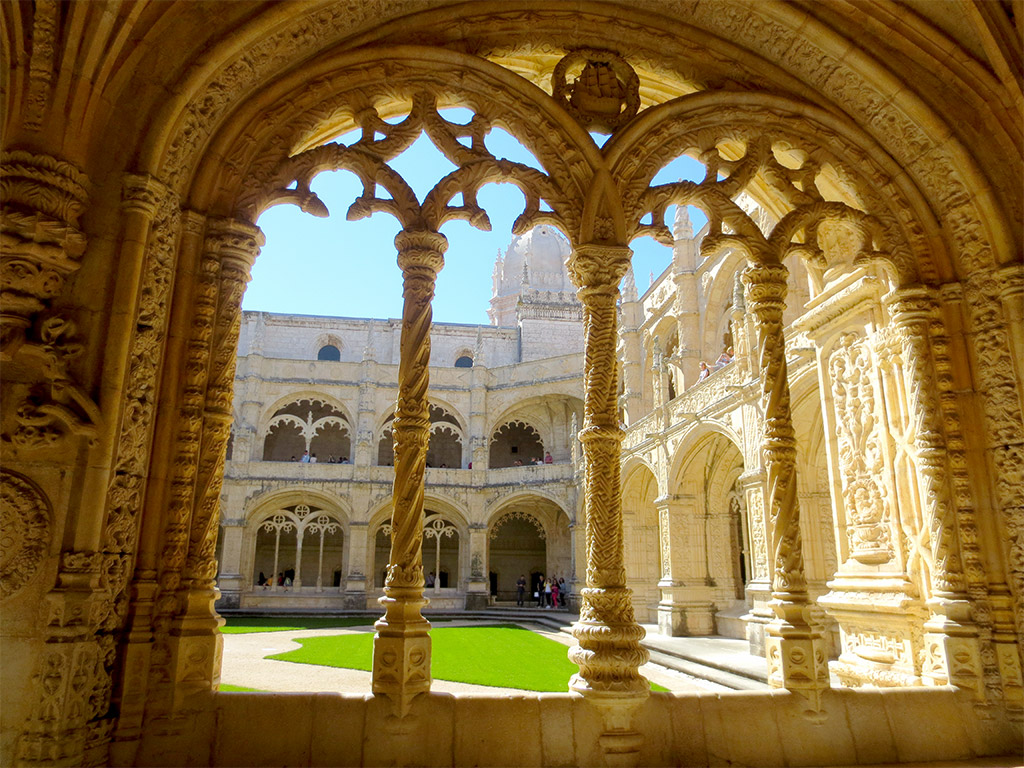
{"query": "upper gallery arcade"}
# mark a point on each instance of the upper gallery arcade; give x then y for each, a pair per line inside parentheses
(874, 150)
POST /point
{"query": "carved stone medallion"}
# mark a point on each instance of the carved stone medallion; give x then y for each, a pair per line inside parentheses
(605, 91)
(25, 528)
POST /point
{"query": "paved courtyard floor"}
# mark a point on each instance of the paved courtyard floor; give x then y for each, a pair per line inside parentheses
(245, 665)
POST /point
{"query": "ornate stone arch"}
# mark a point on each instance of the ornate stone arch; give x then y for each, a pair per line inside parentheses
(304, 425)
(299, 396)
(514, 104)
(688, 447)
(295, 513)
(744, 136)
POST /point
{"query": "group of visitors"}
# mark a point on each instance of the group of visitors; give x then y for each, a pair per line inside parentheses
(723, 360)
(536, 462)
(548, 592)
(308, 458)
(285, 579)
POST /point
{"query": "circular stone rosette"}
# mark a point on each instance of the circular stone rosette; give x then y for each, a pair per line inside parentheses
(25, 523)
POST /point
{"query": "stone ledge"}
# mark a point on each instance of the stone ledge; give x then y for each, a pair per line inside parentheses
(855, 727)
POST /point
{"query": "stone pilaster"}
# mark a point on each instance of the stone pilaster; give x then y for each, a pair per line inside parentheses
(401, 647)
(608, 649)
(358, 547)
(951, 642)
(477, 585)
(194, 642)
(671, 611)
(795, 645)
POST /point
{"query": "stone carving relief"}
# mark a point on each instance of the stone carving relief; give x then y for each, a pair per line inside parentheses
(604, 93)
(517, 514)
(861, 460)
(40, 248)
(25, 531)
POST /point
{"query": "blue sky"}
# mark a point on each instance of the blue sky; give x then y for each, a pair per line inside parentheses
(335, 267)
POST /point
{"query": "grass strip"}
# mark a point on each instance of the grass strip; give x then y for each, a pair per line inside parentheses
(249, 624)
(502, 656)
(224, 688)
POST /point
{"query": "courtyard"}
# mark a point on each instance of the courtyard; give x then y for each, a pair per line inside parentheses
(253, 658)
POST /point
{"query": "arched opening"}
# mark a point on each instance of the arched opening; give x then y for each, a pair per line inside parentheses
(515, 444)
(285, 441)
(441, 542)
(299, 548)
(440, 553)
(307, 428)
(329, 352)
(704, 542)
(170, 146)
(464, 361)
(517, 547)
(275, 554)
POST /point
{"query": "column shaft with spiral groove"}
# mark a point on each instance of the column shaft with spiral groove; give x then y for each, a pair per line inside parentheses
(795, 646)
(401, 647)
(608, 650)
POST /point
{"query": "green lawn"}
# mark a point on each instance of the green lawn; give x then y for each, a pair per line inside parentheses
(504, 656)
(239, 626)
(238, 688)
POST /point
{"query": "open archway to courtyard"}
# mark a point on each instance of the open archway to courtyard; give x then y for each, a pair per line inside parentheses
(871, 148)
(528, 535)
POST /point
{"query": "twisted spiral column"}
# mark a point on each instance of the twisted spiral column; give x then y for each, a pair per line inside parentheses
(401, 647)
(608, 650)
(795, 645)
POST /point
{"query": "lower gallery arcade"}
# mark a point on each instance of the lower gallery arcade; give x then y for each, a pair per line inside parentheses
(846, 491)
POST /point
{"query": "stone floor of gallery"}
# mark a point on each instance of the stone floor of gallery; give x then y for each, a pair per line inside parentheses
(677, 664)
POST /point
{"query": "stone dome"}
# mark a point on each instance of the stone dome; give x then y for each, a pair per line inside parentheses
(542, 251)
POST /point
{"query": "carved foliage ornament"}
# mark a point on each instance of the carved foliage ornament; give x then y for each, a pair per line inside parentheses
(25, 522)
(861, 461)
(517, 514)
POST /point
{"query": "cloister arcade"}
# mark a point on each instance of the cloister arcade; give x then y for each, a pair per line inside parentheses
(447, 438)
(307, 428)
(142, 141)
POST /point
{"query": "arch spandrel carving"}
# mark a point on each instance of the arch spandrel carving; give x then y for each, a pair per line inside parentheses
(276, 127)
(741, 135)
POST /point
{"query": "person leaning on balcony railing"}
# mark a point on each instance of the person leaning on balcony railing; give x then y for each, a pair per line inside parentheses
(724, 359)
(704, 371)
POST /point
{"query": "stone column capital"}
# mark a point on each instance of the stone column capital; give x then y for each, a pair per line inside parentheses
(596, 268)
(235, 240)
(420, 250)
(141, 193)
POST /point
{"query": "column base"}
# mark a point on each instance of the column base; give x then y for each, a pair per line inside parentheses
(796, 651)
(880, 625)
(401, 649)
(686, 619)
(952, 647)
(353, 600)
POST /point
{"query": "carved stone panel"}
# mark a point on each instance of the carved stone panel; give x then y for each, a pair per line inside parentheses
(861, 461)
(25, 531)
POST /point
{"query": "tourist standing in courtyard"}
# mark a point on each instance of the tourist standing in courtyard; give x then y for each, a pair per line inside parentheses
(554, 591)
(520, 589)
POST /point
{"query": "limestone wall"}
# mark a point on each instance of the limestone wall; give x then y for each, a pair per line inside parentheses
(854, 727)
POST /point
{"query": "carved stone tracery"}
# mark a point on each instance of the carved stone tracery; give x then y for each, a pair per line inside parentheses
(860, 454)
